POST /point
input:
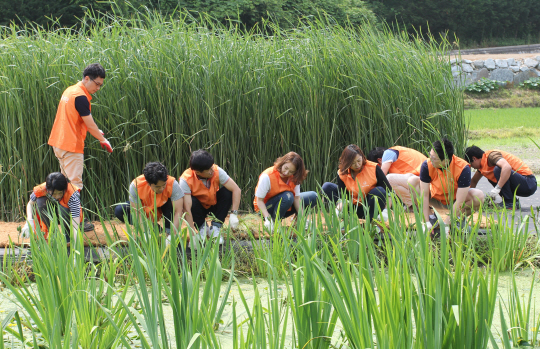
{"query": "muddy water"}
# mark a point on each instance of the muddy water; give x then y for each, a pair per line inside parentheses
(225, 334)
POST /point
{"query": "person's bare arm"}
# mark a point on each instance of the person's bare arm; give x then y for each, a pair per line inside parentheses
(30, 210)
(178, 206)
(93, 128)
(474, 180)
(506, 171)
(424, 194)
(297, 204)
(262, 207)
(187, 209)
(461, 196)
(385, 167)
(236, 193)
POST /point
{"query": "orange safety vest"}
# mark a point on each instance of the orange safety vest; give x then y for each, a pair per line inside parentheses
(206, 196)
(516, 163)
(408, 161)
(41, 191)
(443, 186)
(69, 130)
(147, 195)
(277, 186)
(364, 182)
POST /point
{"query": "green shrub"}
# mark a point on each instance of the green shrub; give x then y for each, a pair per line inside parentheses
(482, 86)
(531, 84)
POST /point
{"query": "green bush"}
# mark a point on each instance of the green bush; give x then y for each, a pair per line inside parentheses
(531, 84)
(482, 86)
(173, 87)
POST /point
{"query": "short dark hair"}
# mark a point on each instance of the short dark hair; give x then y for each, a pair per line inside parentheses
(471, 151)
(93, 71)
(56, 181)
(154, 172)
(376, 153)
(444, 149)
(201, 160)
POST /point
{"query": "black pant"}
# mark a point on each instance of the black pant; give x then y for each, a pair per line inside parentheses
(125, 209)
(524, 186)
(377, 194)
(47, 208)
(219, 210)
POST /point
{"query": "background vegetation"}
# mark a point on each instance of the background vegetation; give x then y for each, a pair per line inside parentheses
(176, 86)
(479, 22)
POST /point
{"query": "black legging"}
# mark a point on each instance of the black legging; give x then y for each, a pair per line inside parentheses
(125, 209)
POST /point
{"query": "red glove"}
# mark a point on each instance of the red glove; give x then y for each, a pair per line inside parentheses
(106, 145)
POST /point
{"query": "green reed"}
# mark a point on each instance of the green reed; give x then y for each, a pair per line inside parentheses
(174, 86)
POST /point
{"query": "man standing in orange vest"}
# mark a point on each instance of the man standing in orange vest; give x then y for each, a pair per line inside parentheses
(506, 172)
(209, 189)
(73, 120)
(447, 178)
(398, 165)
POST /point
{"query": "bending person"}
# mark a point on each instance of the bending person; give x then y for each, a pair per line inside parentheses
(447, 179)
(54, 197)
(360, 179)
(278, 195)
(507, 174)
(73, 120)
(398, 164)
(154, 188)
(209, 190)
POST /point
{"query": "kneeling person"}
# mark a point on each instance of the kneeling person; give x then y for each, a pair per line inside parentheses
(447, 178)
(398, 164)
(154, 188)
(209, 189)
(506, 173)
(54, 197)
(277, 194)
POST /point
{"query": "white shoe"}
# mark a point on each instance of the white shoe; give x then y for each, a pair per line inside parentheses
(168, 240)
(215, 233)
(200, 236)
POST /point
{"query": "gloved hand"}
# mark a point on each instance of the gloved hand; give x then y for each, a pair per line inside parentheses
(102, 133)
(494, 194)
(427, 227)
(384, 215)
(106, 145)
(308, 223)
(268, 223)
(25, 231)
(233, 221)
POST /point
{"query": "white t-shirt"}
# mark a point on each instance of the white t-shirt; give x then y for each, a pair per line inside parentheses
(263, 187)
(223, 178)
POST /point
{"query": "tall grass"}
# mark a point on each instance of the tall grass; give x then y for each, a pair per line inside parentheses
(176, 85)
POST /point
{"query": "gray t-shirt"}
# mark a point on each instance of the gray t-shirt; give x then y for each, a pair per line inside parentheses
(177, 192)
(223, 178)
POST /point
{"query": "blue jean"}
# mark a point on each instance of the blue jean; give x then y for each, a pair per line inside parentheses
(377, 194)
(308, 199)
(517, 183)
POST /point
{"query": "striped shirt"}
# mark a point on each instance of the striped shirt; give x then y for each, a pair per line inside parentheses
(74, 203)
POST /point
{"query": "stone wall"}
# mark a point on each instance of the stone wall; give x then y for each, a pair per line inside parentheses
(504, 71)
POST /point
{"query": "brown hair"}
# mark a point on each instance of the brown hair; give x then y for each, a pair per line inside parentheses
(348, 155)
(296, 160)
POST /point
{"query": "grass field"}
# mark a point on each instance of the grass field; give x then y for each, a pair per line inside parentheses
(509, 129)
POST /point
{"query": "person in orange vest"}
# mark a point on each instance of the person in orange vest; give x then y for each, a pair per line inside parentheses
(447, 179)
(398, 164)
(209, 190)
(360, 180)
(154, 189)
(73, 120)
(506, 172)
(278, 195)
(54, 197)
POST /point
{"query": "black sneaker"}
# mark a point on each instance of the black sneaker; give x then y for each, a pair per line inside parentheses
(88, 226)
(510, 205)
